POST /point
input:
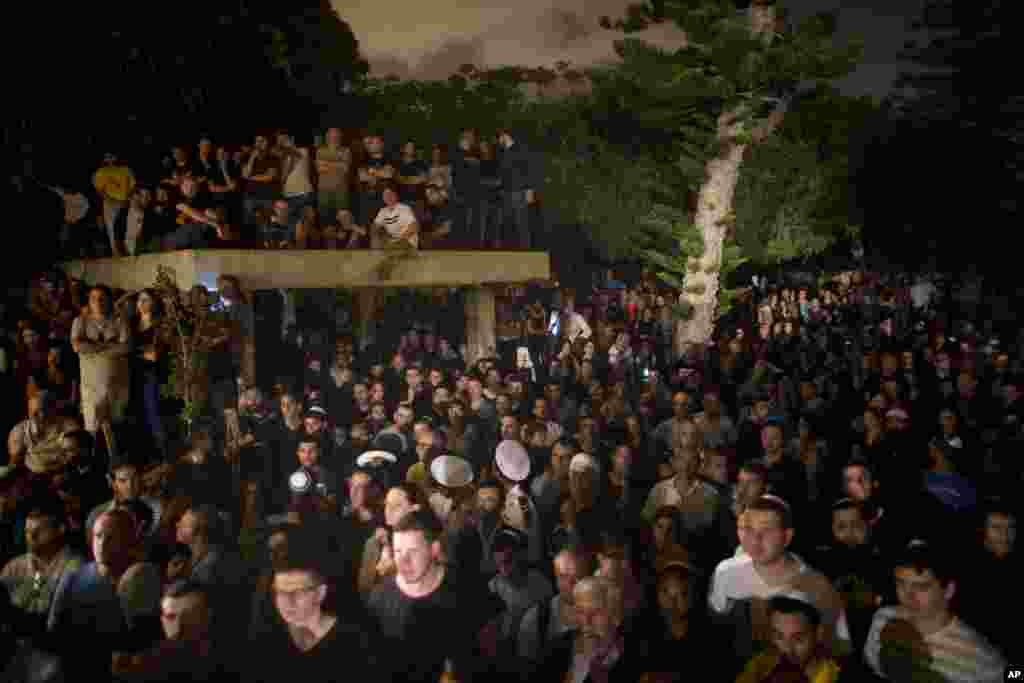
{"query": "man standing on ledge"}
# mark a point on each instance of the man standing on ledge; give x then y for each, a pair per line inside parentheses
(521, 176)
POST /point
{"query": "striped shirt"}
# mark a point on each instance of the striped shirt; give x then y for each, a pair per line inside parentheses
(957, 652)
(395, 219)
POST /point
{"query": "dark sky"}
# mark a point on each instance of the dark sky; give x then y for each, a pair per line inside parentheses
(432, 39)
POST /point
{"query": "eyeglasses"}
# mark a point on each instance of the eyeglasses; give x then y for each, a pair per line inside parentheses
(296, 593)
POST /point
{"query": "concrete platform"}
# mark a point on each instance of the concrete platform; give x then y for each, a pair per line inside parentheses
(319, 269)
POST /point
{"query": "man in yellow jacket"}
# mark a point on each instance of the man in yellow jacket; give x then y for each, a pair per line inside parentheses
(796, 655)
(114, 181)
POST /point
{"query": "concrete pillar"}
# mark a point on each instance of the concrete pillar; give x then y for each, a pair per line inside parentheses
(367, 302)
(481, 341)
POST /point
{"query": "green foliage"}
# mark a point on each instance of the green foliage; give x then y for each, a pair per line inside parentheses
(795, 195)
(673, 227)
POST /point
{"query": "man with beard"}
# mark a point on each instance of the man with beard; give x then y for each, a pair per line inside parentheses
(489, 502)
(599, 649)
(517, 587)
(549, 620)
(797, 654)
(426, 618)
(32, 578)
(993, 578)
(854, 565)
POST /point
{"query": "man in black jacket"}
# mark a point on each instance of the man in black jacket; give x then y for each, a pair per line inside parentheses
(135, 226)
(521, 177)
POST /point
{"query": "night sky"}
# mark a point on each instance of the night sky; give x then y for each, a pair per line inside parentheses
(432, 39)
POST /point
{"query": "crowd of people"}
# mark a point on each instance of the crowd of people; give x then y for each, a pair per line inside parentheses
(276, 193)
(826, 492)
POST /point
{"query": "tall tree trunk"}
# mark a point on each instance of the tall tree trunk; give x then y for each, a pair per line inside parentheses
(715, 205)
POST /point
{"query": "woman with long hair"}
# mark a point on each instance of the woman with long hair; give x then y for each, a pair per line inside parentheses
(148, 349)
(378, 563)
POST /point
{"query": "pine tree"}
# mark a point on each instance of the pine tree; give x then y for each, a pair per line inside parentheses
(727, 90)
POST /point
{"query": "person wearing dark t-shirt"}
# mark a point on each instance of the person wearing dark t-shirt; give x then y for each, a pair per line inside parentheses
(375, 170)
(324, 640)
(195, 225)
(262, 174)
(437, 220)
(412, 174)
(425, 618)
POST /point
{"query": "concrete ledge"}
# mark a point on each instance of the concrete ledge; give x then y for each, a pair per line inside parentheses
(319, 269)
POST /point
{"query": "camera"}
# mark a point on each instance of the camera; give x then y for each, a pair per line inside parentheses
(302, 482)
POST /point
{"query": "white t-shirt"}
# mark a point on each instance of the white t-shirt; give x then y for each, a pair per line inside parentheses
(958, 652)
(736, 580)
(395, 219)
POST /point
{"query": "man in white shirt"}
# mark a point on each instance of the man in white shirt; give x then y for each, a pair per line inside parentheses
(921, 634)
(742, 585)
(395, 224)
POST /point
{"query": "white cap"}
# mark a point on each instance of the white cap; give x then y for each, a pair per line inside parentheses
(451, 471)
(373, 458)
(581, 462)
(512, 460)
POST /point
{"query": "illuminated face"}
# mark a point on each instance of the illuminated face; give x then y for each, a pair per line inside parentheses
(127, 483)
(750, 486)
(771, 441)
(403, 418)
(298, 596)
(509, 428)
(359, 490)
(594, 620)
(849, 527)
(664, 530)
(514, 513)
(185, 618)
(436, 378)
(567, 574)
(441, 397)
(858, 483)
(309, 454)
(674, 596)
(98, 302)
(396, 506)
(762, 535)
(110, 539)
(921, 593)
(488, 500)
(377, 392)
(1000, 534)
(794, 637)
(186, 528)
(716, 468)
(42, 535)
(681, 405)
(314, 424)
(414, 556)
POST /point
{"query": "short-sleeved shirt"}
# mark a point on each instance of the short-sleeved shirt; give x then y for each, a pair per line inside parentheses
(335, 180)
(395, 219)
(269, 190)
(957, 652)
(736, 581)
(423, 632)
(373, 189)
